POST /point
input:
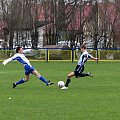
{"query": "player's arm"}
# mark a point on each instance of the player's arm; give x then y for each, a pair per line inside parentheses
(10, 59)
(7, 61)
(27, 51)
(90, 56)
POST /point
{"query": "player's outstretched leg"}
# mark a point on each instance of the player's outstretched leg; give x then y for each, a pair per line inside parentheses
(36, 73)
(86, 74)
(90, 74)
(19, 82)
(45, 81)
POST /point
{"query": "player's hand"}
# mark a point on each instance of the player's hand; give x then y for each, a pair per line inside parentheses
(4, 63)
(97, 58)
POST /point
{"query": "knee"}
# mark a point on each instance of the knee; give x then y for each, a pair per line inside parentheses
(69, 76)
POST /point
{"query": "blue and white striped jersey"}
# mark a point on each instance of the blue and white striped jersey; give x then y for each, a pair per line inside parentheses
(21, 58)
(84, 57)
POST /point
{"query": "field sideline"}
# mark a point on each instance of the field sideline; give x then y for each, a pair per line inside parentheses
(96, 98)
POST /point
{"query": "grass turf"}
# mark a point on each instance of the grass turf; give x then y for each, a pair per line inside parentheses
(87, 98)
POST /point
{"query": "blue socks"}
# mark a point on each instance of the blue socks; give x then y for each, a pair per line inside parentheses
(20, 82)
(43, 79)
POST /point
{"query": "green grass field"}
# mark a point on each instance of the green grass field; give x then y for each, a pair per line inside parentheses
(96, 98)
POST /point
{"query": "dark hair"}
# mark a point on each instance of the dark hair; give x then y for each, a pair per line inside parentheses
(17, 49)
(83, 46)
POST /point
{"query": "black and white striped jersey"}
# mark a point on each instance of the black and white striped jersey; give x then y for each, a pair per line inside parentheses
(84, 57)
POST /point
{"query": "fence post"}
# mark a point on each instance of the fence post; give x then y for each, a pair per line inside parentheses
(47, 55)
(72, 55)
(97, 54)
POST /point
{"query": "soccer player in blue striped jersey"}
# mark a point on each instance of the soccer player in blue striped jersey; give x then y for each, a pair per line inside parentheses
(29, 69)
(80, 66)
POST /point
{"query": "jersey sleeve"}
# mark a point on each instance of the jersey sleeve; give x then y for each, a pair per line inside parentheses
(90, 56)
(7, 60)
(10, 59)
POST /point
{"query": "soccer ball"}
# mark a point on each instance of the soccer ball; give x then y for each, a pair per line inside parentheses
(61, 84)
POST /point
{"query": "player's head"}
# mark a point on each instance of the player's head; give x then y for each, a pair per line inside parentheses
(83, 47)
(19, 50)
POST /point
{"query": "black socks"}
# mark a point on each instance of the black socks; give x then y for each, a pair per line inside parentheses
(67, 82)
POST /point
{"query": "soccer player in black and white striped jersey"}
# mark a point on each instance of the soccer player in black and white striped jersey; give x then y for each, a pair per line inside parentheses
(80, 66)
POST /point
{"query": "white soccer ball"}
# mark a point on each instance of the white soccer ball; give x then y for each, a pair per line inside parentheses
(61, 84)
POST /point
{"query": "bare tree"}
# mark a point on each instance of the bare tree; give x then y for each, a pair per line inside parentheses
(73, 20)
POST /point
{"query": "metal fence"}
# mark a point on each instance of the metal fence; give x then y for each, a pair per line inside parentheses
(59, 54)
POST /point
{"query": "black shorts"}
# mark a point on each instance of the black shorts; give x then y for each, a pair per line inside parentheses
(78, 70)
